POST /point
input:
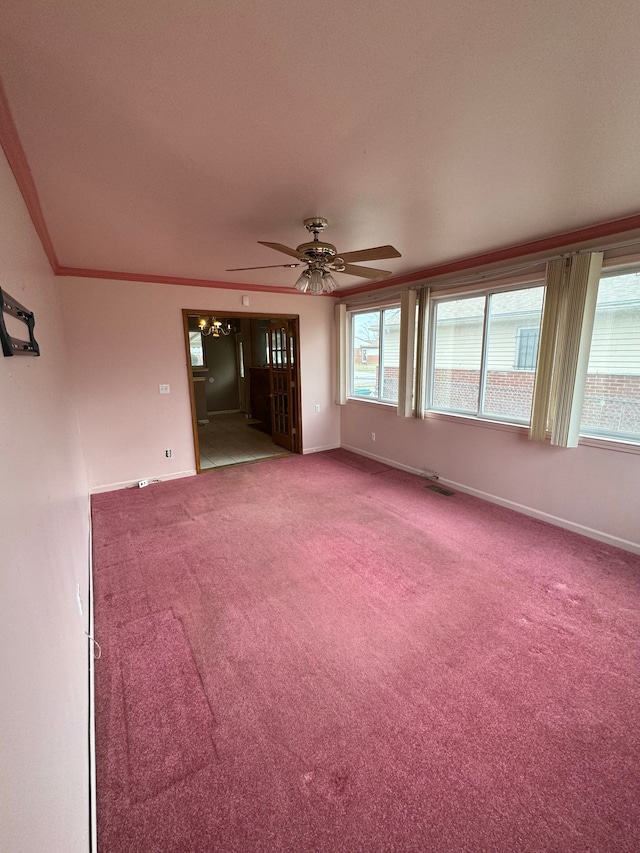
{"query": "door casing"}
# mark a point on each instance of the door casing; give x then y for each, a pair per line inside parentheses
(294, 324)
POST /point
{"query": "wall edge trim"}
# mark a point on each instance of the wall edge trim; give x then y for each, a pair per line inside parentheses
(17, 159)
(19, 165)
(556, 521)
(567, 241)
(114, 275)
(127, 484)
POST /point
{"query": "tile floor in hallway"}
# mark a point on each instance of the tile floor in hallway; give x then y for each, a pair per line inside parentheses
(228, 439)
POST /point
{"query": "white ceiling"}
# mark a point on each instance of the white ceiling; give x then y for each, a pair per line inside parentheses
(167, 137)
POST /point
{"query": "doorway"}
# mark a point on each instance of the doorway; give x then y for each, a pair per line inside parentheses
(244, 385)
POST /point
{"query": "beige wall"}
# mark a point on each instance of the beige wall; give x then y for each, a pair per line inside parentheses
(43, 557)
(126, 339)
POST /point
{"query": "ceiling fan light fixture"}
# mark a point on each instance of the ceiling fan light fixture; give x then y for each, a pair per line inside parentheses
(302, 284)
(315, 281)
(329, 283)
(322, 259)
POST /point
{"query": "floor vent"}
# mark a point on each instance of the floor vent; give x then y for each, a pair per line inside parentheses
(440, 490)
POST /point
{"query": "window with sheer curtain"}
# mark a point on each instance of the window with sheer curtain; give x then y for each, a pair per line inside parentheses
(562, 356)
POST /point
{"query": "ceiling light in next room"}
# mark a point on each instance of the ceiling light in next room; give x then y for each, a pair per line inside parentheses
(215, 328)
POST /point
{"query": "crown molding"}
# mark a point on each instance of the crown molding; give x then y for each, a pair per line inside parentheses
(14, 152)
(569, 240)
(172, 279)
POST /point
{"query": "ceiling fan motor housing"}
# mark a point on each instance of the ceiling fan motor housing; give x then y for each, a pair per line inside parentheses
(317, 251)
(322, 258)
(316, 224)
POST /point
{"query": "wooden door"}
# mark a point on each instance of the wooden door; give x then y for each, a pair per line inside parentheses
(282, 382)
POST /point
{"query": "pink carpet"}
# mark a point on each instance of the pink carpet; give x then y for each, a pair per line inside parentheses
(318, 654)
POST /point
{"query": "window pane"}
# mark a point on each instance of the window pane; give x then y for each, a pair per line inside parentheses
(197, 349)
(390, 354)
(512, 353)
(527, 338)
(366, 354)
(458, 354)
(612, 393)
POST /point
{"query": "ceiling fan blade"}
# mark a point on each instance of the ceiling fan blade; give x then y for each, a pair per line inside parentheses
(375, 254)
(269, 267)
(280, 248)
(365, 272)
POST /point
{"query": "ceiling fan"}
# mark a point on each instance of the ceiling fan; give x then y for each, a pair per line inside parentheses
(322, 259)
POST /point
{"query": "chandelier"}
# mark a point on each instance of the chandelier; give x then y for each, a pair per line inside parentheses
(215, 328)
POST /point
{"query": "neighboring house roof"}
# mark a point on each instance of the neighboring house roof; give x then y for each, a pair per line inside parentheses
(469, 306)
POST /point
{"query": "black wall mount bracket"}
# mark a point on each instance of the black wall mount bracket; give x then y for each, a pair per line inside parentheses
(11, 345)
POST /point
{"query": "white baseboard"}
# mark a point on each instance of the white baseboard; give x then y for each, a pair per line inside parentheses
(392, 463)
(320, 449)
(564, 523)
(127, 484)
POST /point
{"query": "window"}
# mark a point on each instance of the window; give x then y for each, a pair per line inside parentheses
(484, 351)
(611, 403)
(375, 349)
(527, 347)
(196, 348)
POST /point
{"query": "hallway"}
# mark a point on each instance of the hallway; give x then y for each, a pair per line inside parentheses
(230, 439)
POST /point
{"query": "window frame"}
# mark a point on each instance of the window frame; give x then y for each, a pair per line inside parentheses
(473, 293)
(378, 400)
(592, 436)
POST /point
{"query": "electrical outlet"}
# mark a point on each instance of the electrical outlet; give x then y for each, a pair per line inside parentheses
(164, 389)
(168, 453)
(317, 407)
(373, 436)
(143, 483)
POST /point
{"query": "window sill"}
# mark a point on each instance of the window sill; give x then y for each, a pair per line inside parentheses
(485, 423)
(584, 440)
(369, 402)
(609, 444)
